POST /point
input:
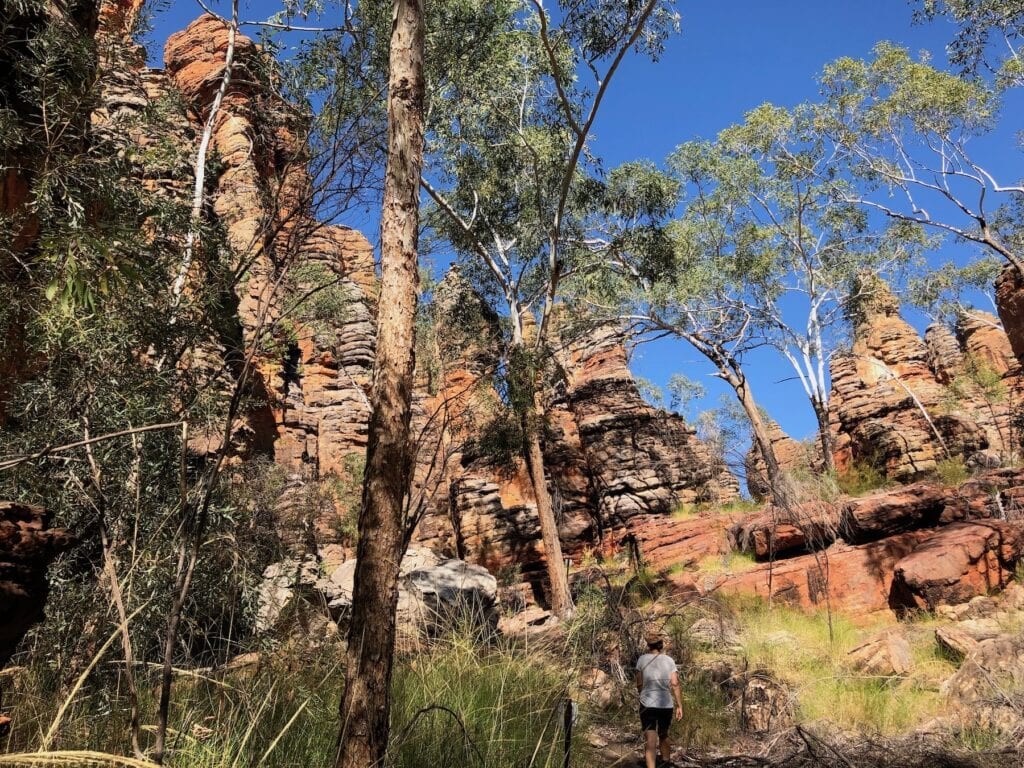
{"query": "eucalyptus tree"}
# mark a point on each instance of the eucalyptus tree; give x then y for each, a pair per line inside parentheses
(511, 177)
(365, 704)
(691, 278)
(906, 131)
(989, 36)
(767, 190)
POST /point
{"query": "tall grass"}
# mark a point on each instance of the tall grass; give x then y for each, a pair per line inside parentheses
(502, 707)
(795, 645)
(461, 702)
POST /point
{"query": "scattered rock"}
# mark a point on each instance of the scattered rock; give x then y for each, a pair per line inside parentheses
(714, 632)
(986, 689)
(599, 688)
(963, 637)
(887, 655)
(532, 620)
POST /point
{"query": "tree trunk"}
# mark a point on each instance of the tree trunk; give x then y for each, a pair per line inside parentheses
(825, 437)
(776, 480)
(365, 704)
(561, 598)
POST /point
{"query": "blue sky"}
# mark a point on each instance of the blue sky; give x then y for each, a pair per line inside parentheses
(732, 56)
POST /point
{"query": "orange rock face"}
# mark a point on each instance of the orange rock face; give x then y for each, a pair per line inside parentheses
(903, 404)
(913, 547)
(856, 579)
(957, 563)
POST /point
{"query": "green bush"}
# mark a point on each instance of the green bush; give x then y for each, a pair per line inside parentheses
(952, 471)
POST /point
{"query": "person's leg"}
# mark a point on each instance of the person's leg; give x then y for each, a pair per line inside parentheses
(651, 748)
(666, 748)
(664, 723)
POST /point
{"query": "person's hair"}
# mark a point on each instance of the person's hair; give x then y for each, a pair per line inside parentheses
(655, 644)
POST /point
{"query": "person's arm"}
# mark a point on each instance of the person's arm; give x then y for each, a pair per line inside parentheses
(639, 678)
(677, 694)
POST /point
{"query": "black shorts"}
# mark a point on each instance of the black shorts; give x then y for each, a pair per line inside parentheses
(656, 719)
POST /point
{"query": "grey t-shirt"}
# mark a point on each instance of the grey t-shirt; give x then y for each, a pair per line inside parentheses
(657, 669)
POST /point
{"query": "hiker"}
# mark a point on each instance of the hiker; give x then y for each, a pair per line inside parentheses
(658, 684)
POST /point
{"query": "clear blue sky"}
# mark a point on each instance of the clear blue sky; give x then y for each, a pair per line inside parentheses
(732, 56)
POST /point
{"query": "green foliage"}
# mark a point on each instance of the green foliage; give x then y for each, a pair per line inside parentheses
(343, 491)
(939, 289)
(988, 35)
(684, 392)
(323, 301)
(650, 392)
(861, 477)
(500, 440)
(721, 565)
(506, 700)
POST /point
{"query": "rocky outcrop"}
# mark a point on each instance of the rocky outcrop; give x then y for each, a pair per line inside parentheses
(903, 404)
(433, 594)
(312, 285)
(643, 460)
(912, 547)
(856, 579)
(612, 460)
(1010, 304)
(957, 563)
(27, 546)
(792, 455)
(986, 689)
(886, 655)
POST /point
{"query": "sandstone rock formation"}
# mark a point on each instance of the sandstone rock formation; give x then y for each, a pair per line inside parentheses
(957, 563)
(792, 455)
(27, 546)
(643, 460)
(1010, 304)
(310, 407)
(903, 404)
(918, 546)
(612, 460)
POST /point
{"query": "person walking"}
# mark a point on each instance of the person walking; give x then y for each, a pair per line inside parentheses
(658, 683)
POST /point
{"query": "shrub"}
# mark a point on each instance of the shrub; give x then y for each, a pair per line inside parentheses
(862, 477)
(952, 471)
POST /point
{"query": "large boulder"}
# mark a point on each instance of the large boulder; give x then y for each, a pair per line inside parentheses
(454, 591)
(961, 638)
(432, 594)
(887, 512)
(857, 579)
(958, 562)
(887, 655)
